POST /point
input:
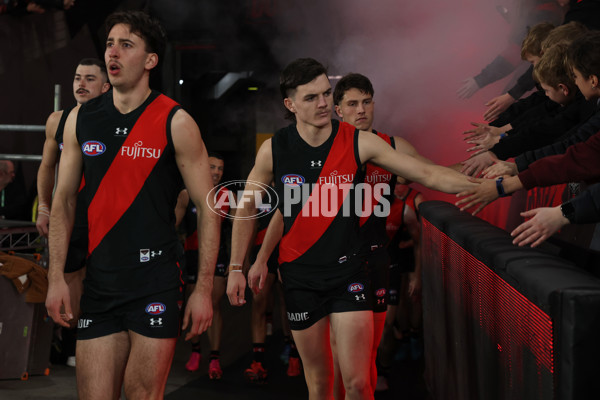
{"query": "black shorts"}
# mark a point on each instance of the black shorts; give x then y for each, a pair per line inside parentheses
(378, 263)
(272, 263)
(309, 302)
(155, 316)
(191, 264)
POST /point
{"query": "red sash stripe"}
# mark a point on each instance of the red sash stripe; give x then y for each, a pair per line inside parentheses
(125, 177)
(307, 230)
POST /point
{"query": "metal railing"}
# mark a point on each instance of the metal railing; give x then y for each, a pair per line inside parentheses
(28, 128)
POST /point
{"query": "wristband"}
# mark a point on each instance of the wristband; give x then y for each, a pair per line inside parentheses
(235, 267)
(568, 211)
(500, 188)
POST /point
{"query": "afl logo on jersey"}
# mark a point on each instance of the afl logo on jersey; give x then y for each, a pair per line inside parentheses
(356, 287)
(155, 308)
(292, 180)
(93, 148)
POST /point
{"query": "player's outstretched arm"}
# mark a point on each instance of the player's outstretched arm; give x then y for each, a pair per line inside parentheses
(376, 150)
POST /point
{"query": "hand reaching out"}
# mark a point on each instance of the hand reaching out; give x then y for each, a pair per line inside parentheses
(483, 143)
(477, 163)
(468, 89)
(497, 105)
(480, 196)
(500, 168)
(544, 222)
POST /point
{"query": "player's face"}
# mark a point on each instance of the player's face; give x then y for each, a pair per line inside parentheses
(7, 176)
(126, 57)
(216, 169)
(88, 83)
(312, 103)
(357, 108)
(585, 85)
(557, 95)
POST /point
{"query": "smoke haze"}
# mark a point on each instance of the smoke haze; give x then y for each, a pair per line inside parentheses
(416, 54)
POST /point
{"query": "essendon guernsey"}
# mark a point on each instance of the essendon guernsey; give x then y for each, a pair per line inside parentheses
(316, 195)
(372, 226)
(133, 181)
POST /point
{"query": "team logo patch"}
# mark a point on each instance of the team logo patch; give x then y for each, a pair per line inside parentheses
(93, 148)
(292, 180)
(61, 146)
(380, 292)
(155, 308)
(144, 255)
(356, 287)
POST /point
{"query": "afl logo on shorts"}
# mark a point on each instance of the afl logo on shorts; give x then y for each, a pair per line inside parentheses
(155, 308)
(356, 287)
(292, 180)
(380, 292)
(93, 148)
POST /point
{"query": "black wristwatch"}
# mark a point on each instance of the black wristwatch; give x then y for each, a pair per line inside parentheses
(568, 211)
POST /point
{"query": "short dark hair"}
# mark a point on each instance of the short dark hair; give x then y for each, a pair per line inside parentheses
(298, 72)
(216, 155)
(352, 81)
(584, 54)
(97, 62)
(146, 27)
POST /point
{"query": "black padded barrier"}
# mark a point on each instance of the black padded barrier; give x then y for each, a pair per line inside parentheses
(501, 321)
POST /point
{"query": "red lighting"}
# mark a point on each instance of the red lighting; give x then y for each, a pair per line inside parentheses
(509, 335)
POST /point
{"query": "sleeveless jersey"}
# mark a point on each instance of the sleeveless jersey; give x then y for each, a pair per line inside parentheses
(133, 181)
(263, 223)
(395, 221)
(372, 225)
(81, 209)
(316, 231)
(60, 129)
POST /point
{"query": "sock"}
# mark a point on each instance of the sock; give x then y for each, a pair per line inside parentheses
(258, 352)
(214, 355)
(196, 347)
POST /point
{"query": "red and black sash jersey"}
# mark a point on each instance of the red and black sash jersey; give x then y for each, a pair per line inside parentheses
(394, 226)
(317, 232)
(263, 222)
(372, 226)
(190, 220)
(133, 181)
(81, 213)
(60, 129)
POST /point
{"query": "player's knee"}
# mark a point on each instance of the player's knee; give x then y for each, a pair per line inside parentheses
(357, 386)
(137, 391)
